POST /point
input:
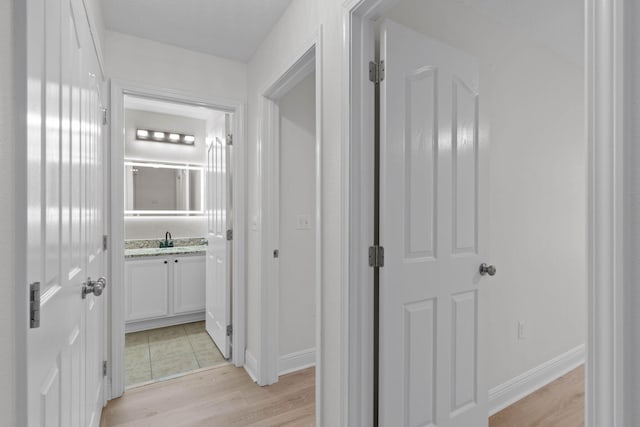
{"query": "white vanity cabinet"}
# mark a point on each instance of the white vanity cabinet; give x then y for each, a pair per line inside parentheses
(160, 291)
(188, 284)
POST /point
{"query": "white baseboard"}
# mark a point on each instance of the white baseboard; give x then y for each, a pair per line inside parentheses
(296, 361)
(251, 365)
(521, 386)
(143, 325)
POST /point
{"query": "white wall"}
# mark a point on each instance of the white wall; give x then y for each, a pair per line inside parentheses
(145, 62)
(537, 185)
(8, 254)
(297, 308)
(155, 227)
(286, 40)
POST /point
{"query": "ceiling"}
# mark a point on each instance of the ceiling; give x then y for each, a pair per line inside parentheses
(231, 29)
(556, 24)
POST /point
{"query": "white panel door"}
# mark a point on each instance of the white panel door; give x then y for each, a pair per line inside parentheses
(218, 271)
(433, 226)
(64, 173)
(188, 284)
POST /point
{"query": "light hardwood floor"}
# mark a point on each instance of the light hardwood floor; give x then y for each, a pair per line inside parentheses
(226, 396)
(219, 396)
(559, 404)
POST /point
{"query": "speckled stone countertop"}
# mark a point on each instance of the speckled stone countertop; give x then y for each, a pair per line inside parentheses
(147, 248)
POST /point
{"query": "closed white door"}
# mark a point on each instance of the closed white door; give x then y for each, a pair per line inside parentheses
(433, 227)
(218, 271)
(64, 221)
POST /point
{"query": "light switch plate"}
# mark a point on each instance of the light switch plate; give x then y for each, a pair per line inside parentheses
(303, 222)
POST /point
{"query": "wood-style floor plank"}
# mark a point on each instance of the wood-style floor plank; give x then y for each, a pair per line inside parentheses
(220, 396)
(226, 396)
(559, 404)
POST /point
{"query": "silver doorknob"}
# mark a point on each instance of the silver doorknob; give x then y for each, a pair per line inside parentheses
(487, 269)
(93, 287)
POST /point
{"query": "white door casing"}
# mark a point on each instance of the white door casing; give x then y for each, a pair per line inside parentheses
(218, 280)
(433, 227)
(65, 215)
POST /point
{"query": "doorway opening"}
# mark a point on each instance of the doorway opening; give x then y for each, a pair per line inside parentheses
(176, 187)
(174, 242)
(432, 153)
(291, 200)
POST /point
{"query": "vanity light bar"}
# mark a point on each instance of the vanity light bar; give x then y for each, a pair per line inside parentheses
(159, 136)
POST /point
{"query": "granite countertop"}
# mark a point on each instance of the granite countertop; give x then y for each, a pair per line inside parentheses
(149, 248)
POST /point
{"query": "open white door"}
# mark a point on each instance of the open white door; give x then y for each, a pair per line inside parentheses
(433, 227)
(65, 190)
(218, 271)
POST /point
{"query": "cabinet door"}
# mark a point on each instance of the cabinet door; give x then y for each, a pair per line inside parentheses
(188, 284)
(147, 289)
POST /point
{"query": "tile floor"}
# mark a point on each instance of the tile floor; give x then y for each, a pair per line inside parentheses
(159, 353)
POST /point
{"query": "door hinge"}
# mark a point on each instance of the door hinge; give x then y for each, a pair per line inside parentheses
(105, 116)
(376, 71)
(276, 253)
(229, 234)
(104, 368)
(230, 139)
(229, 330)
(376, 256)
(34, 305)
(105, 242)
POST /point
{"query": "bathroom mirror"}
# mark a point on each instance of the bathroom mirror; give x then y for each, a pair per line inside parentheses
(163, 189)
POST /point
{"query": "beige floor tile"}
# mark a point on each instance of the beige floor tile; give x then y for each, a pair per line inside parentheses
(136, 338)
(136, 376)
(160, 334)
(195, 327)
(173, 365)
(163, 352)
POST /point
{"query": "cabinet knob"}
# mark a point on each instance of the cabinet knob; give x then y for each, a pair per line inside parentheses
(165, 261)
(175, 260)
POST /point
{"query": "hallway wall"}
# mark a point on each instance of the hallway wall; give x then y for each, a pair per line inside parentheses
(149, 63)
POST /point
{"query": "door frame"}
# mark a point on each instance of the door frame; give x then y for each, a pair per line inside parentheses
(307, 60)
(605, 402)
(116, 233)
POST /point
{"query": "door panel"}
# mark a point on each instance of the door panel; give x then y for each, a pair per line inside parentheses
(188, 284)
(218, 257)
(433, 228)
(65, 352)
(146, 289)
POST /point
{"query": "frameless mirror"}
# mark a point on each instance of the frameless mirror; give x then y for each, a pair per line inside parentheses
(163, 189)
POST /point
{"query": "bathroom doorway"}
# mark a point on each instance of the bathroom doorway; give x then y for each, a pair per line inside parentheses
(172, 238)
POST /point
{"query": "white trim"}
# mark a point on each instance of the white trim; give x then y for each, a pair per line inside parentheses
(296, 361)
(143, 325)
(118, 90)
(358, 160)
(605, 398)
(251, 365)
(307, 59)
(524, 384)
